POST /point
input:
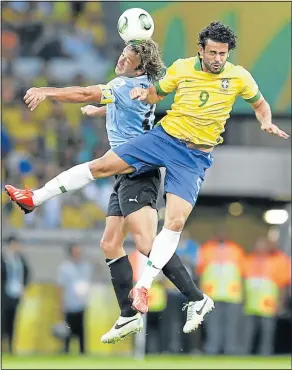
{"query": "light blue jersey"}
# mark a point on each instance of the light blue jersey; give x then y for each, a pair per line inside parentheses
(127, 118)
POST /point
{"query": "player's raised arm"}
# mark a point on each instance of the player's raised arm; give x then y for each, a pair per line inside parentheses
(74, 94)
(264, 116)
(251, 94)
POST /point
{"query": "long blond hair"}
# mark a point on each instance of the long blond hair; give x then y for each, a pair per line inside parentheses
(150, 56)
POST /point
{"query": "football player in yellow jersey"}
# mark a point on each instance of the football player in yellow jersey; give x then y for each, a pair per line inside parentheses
(206, 88)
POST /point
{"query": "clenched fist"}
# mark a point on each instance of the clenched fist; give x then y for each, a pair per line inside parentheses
(92, 111)
(138, 93)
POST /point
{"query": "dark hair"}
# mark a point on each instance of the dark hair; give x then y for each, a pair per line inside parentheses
(70, 248)
(11, 239)
(150, 55)
(218, 32)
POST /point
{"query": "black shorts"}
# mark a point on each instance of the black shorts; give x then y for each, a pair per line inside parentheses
(133, 193)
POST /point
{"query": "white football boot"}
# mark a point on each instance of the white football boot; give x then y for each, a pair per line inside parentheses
(123, 327)
(196, 312)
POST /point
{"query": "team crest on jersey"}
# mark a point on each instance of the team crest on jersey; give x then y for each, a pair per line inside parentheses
(225, 83)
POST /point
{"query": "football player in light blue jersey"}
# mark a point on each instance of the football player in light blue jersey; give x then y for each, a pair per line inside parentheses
(132, 205)
(124, 119)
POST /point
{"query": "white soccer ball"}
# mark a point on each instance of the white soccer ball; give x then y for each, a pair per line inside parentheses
(135, 24)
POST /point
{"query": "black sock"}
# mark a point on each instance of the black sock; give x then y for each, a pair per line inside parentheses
(122, 279)
(176, 272)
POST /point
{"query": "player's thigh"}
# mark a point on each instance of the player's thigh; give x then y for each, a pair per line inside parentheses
(145, 152)
(109, 164)
(138, 201)
(138, 191)
(185, 171)
(183, 183)
(142, 224)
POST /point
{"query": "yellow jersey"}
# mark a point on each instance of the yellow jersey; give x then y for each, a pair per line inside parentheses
(203, 100)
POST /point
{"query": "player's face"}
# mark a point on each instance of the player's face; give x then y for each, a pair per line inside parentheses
(76, 252)
(128, 63)
(214, 56)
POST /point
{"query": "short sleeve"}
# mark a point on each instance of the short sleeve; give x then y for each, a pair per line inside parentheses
(169, 81)
(250, 91)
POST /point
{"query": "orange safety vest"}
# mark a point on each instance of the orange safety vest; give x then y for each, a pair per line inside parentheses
(220, 268)
(264, 276)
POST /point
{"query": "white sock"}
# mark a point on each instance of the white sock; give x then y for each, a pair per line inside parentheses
(72, 179)
(164, 246)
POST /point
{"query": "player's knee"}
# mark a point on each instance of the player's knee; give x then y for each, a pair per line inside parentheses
(175, 223)
(109, 246)
(109, 164)
(98, 168)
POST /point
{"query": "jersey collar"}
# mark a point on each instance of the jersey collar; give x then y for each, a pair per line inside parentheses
(198, 66)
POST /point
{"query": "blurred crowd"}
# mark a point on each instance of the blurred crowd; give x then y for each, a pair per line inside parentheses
(53, 44)
(251, 291)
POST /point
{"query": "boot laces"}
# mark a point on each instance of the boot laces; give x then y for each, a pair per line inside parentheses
(190, 312)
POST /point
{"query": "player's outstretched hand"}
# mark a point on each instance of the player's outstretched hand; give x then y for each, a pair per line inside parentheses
(33, 97)
(138, 93)
(273, 129)
(91, 111)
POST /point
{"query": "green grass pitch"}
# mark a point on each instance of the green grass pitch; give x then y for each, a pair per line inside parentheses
(150, 362)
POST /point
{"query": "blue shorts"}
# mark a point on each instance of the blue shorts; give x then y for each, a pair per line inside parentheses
(185, 167)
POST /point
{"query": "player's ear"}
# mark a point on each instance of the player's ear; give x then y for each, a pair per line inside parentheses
(200, 50)
(139, 70)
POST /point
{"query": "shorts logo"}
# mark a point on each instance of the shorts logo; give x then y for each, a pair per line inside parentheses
(225, 83)
(134, 199)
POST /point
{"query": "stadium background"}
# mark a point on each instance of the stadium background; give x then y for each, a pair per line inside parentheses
(65, 44)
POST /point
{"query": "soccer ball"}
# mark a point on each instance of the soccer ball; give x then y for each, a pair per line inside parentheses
(135, 24)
